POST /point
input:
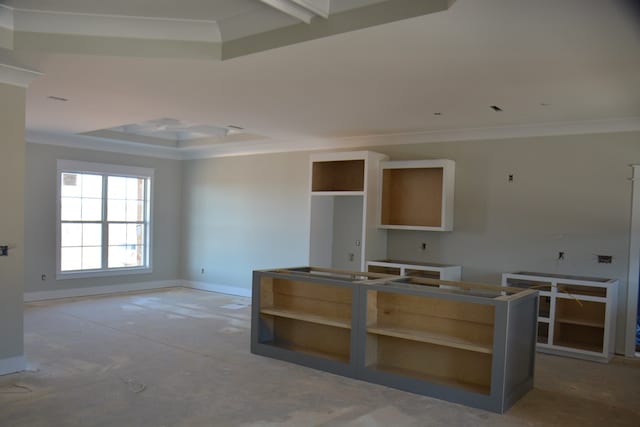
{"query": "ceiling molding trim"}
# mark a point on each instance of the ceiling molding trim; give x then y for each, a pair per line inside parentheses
(262, 146)
(624, 124)
(43, 21)
(100, 144)
(115, 46)
(17, 76)
(6, 17)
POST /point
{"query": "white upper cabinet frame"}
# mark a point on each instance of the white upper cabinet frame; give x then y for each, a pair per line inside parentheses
(416, 195)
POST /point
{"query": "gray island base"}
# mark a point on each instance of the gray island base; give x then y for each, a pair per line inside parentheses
(467, 343)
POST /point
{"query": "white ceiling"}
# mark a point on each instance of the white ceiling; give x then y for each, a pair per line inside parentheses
(581, 57)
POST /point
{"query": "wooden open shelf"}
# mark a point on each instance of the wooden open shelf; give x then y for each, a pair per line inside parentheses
(314, 339)
(412, 197)
(445, 340)
(578, 336)
(313, 318)
(450, 366)
(339, 175)
(430, 337)
(417, 195)
(308, 317)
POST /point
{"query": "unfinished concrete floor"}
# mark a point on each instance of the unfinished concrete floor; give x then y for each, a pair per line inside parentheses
(181, 358)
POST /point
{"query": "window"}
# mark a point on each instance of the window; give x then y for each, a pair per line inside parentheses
(104, 219)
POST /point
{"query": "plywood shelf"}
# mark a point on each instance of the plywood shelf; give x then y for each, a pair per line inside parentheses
(307, 317)
(339, 357)
(431, 338)
(581, 322)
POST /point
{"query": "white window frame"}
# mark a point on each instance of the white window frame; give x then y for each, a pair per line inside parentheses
(72, 166)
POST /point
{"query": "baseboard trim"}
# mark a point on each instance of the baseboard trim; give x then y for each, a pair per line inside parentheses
(12, 365)
(222, 289)
(99, 290)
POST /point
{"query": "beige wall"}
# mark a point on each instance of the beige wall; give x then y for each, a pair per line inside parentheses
(12, 173)
(244, 213)
(570, 194)
(40, 216)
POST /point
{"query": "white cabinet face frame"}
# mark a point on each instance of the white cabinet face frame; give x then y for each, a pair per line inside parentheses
(372, 243)
(577, 296)
(445, 272)
(447, 200)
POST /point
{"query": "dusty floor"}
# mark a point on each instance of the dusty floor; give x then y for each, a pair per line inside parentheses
(180, 358)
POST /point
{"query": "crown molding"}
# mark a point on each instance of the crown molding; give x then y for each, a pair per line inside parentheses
(265, 146)
(17, 76)
(43, 21)
(100, 144)
(623, 124)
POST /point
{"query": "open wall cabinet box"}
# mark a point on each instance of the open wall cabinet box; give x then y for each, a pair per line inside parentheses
(417, 195)
(467, 343)
(577, 315)
(343, 203)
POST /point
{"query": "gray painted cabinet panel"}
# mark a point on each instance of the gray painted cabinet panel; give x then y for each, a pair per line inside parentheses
(474, 346)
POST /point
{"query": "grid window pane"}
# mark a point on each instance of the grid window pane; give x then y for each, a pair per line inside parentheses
(70, 209)
(91, 209)
(70, 185)
(70, 259)
(117, 234)
(91, 186)
(92, 234)
(135, 234)
(117, 187)
(126, 256)
(117, 210)
(135, 188)
(71, 235)
(135, 210)
(91, 257)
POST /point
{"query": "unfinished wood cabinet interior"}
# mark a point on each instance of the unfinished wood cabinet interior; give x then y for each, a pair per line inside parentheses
(437, 340)
(417, 195)
(307, 317)
(343, 202)
(576, 315)
(467, 343)
(415, 269)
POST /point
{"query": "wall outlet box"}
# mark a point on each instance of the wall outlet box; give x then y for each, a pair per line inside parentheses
(605, 259)
(4, 250)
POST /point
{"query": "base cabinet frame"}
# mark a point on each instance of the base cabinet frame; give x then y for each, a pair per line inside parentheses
(577, 316)
(481, 342)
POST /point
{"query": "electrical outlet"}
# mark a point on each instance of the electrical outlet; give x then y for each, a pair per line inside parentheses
(4, 250)
(352, 257)
(560, 256)
(43, 277)
(605, 259)
(423, 246)
(202, 271)
(510, 178)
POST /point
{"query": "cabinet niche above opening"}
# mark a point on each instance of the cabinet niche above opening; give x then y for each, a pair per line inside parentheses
(340, 175)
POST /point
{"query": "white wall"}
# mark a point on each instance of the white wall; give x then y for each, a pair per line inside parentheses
(40, 217)
(244, 213)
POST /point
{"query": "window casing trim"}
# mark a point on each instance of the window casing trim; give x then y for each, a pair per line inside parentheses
(72, 166)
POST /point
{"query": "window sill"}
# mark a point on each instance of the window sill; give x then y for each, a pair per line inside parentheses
(102, 273)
